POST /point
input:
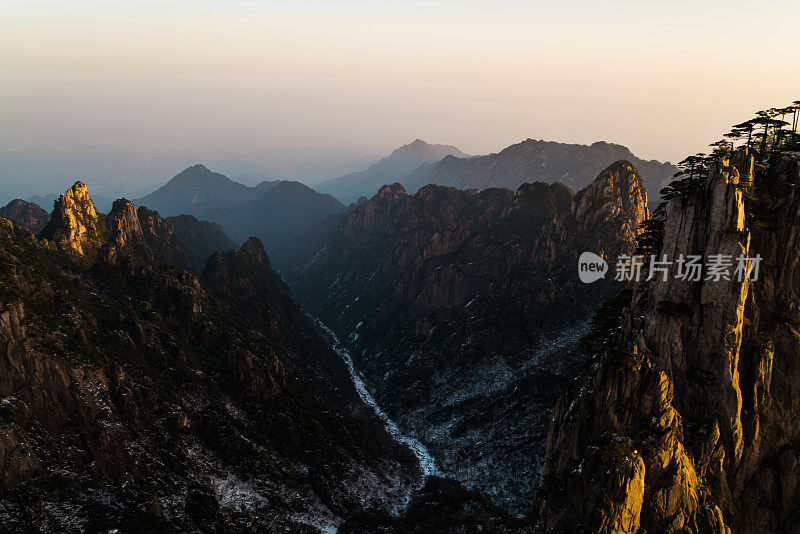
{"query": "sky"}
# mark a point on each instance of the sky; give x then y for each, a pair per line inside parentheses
(663, 78)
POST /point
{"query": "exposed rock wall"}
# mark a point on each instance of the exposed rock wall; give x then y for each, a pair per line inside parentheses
(75, 224)
(693, 402)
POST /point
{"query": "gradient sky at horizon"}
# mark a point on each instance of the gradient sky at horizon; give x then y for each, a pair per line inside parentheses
(664, 79)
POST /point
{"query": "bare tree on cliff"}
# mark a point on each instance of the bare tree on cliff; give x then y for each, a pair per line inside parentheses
(795, 107)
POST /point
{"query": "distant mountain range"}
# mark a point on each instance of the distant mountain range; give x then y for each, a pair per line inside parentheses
(571, 164)
(286, 215)
(277, 211)
(402, 161)
(418, 164)
(116, 171)
(198, 189)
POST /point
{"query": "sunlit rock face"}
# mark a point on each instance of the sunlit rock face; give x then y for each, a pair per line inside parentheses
(463, 310)
(74, 224)
(77, 227)
(694, 400)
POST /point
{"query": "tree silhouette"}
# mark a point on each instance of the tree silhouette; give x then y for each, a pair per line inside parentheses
(764, 135)
(747, 126)
(795, 107)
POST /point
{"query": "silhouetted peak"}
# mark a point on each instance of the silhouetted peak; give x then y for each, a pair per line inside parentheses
(422, 149)
(121, 205)
(196, 173)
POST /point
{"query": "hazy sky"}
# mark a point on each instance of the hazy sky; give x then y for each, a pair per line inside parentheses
(664, 78)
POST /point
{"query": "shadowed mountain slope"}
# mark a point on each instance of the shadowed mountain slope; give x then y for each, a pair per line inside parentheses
(170, 402)
(544, 161)
(459, 307)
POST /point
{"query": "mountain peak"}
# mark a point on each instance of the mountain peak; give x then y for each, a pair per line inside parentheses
(193, 187)
(254, 249)
(424, 152)
(124, 223)
(241, 271)
(289, 186)
(198, 172)
(398, 165)
(78, 194)
(616, 198)
(74, 222)
(26, 214)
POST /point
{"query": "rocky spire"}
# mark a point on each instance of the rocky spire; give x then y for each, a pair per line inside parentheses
(74, 224)
(123, 223)
(78, 227)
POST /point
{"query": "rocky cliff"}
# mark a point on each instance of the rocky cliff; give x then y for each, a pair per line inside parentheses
(137, 397)
(460, 308)
(184, 241)
(686, 420)
(75, 225)
(26, 214)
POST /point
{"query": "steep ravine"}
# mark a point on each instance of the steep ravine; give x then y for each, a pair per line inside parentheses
(462, 310)
(426, 461)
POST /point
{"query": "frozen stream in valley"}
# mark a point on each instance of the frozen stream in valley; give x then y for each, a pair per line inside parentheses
(426, 461)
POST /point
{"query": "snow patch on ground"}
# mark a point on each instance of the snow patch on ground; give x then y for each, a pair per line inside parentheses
(426, 461)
